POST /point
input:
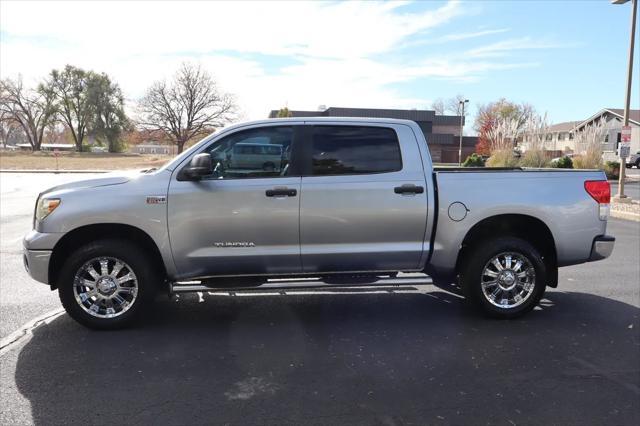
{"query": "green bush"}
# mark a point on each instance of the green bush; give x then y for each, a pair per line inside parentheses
(563, 163)
(474, 160)
(612, 169)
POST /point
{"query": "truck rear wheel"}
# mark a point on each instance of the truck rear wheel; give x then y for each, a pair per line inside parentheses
(504, 277)
(106, 284)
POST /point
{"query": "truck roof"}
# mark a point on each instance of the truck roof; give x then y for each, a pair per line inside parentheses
(324, 120)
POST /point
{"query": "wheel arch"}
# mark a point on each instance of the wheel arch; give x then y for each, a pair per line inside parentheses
(529, 228)
(88, 233)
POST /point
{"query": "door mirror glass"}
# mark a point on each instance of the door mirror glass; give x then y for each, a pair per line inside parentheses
(200, 166)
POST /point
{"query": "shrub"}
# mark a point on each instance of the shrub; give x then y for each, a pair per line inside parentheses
(563, 163)
(474, 160)
(534, 158)
(502, 158)
(612, 169)
(591, 160)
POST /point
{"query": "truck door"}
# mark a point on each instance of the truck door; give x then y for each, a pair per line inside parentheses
(244, 218)
(364, 201)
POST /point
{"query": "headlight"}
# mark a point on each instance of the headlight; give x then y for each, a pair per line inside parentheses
(45, 207)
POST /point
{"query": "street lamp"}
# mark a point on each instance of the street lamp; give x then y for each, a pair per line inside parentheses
(461, 109)
(627, 105)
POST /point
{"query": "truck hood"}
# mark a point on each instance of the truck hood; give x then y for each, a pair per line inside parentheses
(116, 178)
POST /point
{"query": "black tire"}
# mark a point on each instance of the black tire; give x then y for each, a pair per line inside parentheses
(135, 259)
(479, 257)
(638, 163)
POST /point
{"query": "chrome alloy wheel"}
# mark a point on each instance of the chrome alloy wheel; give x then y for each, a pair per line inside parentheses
(508, 280)
(105, 287)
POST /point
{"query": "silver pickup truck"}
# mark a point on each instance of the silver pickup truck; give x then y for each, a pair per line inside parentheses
(354, 201)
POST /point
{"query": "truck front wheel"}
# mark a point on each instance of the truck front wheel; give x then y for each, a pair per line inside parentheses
(504, 277)
(105, 284)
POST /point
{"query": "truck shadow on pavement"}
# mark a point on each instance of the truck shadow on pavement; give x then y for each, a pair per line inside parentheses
(343, 359)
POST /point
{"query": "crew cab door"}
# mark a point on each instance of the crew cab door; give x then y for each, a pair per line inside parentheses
(244, 218)
(364, 201)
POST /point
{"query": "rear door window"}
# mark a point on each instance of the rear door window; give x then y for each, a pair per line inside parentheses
(352, 150)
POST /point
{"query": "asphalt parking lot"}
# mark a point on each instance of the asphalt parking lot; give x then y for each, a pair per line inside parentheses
(390, 359)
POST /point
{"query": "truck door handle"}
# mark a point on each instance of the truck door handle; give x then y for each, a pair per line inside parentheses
(408, 189)
(281, 192)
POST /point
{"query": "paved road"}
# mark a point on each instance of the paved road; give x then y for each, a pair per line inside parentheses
(21, 298)
(343, 359)
(631, 189)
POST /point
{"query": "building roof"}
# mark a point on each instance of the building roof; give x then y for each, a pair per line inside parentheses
(566, 126)
(634, 116)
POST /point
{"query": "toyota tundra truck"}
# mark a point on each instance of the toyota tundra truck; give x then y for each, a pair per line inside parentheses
(353, 202)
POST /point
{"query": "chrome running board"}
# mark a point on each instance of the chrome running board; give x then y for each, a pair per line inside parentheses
(400, 282)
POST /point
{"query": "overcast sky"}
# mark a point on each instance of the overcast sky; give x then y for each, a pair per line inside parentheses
(566, 58)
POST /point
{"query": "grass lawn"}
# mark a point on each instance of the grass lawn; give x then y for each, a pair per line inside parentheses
(79, 161)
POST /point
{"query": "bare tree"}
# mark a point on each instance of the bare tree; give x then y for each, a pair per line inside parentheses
(454, 106)
(7, 127)
(187, 107)
(32, 110)
(438, 106)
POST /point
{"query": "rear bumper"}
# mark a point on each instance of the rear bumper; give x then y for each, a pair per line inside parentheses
(36, 262)
(602, 247)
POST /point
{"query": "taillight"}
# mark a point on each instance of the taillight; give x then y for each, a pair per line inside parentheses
(600, 190)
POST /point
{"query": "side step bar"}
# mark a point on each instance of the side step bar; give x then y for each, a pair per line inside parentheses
(306, 284)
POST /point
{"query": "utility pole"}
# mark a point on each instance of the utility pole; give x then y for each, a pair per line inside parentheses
(461, 110)
(624, 152)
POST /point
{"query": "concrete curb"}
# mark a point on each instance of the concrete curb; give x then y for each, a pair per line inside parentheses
(54, 171)
(26, 330)
(625, 215)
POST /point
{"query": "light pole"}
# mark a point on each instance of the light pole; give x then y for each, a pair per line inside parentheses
(461, 109)
(627, 105)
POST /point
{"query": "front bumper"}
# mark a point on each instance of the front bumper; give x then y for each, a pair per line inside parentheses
(36, 262)
(37, 249)
(602, 247)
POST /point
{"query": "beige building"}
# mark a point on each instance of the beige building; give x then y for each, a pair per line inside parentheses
(151, 147)
(560, 138)
(613, 117)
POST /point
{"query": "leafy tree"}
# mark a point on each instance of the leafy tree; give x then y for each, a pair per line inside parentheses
(189, 106)
(474, 160)
(284, 113)
(494, 114)
(32, 110)
(71, 88)
(109, 119)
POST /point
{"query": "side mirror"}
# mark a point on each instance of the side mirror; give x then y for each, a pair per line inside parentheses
(201, 165)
